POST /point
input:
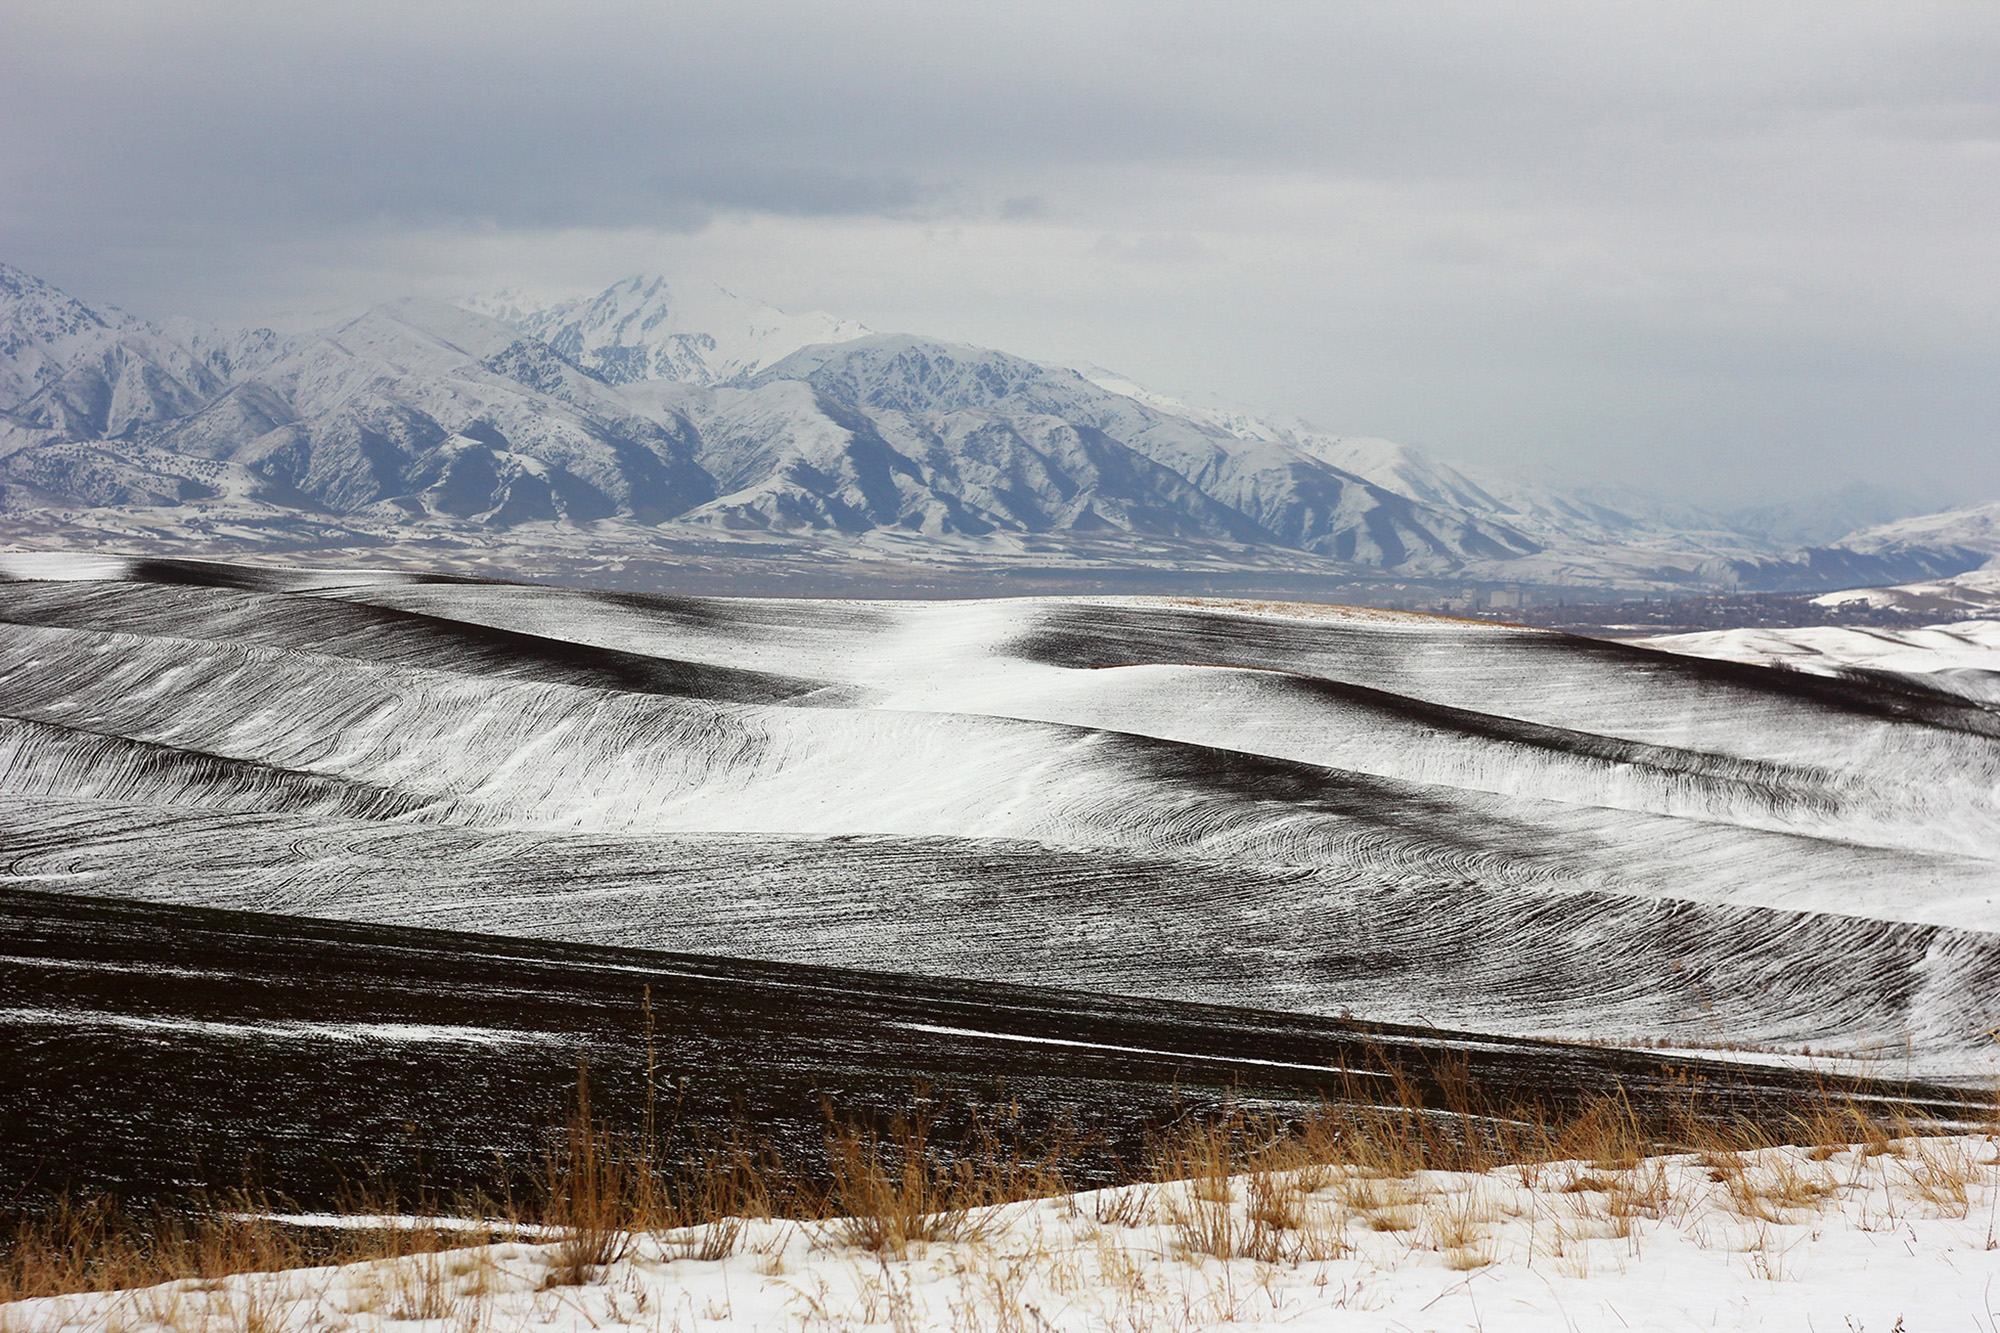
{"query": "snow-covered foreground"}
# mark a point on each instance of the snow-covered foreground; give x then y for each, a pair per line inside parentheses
(1906, 1236)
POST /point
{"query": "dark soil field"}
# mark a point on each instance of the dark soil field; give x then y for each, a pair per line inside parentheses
(153, 1051)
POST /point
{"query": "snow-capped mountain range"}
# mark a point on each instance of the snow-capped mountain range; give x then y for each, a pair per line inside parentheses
(651, 414)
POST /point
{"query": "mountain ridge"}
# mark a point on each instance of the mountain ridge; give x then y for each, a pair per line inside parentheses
(618, 419)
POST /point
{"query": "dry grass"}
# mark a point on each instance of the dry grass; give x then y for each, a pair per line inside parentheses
(1123, 1207)
(888, 1195)
(1277, 1203)
(93, 1245)
(1248, 1251)
(1275, 1189)
(596, 1192)
(1460, 1220)
(1941, 1173)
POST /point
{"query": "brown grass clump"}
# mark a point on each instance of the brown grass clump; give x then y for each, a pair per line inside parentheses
(1129, 1207)
(597, 1193)
(890, 1191)
(1269, 1187)
(92, 1244)
(420, 1288)
(1209, 1227)
(1276, 1202)
(887, 1199)
(1942, 1173)
(1459, 1221)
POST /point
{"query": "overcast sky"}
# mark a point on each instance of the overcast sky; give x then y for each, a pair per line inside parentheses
(1724, 251)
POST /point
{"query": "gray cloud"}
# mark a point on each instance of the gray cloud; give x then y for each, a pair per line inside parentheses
(795, 191)
(1172, 248)
(1700, 245)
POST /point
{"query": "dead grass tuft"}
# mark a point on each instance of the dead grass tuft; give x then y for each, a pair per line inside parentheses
(1264, 1186)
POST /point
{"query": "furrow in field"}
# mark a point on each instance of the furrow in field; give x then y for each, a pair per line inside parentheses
(560, 757)
(1585, 966)
(1421, 699)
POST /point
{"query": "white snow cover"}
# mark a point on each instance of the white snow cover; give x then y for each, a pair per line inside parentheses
(1975, 528)
(1974, 590)
(1963, 658)
(644, 328)
(1314, 809)
(1548, 513)
(44, 330)
(1784, 1238)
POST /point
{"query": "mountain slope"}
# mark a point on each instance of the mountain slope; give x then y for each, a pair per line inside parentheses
(1971, 595)
(798, 458)
(44, 330)
(416, 410)
(1975, 530)
(1295, 499)
(647, 419)
(87, 372)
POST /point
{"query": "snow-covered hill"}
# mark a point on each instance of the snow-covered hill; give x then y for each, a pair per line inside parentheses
(1973, 593)
(1976, 528)
(1962, 658)
(1296, 808)
(1895, 1236)
(658, 415)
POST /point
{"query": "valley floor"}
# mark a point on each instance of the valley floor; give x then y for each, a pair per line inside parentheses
(1889, 1236)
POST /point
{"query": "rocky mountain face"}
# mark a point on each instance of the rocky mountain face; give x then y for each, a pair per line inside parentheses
(648, 412)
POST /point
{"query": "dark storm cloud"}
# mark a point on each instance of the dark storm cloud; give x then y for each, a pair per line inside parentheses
(1575, 232)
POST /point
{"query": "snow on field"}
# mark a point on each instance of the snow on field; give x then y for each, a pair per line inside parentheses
(1900, 1236)
(1962, 658)
(1315, 809)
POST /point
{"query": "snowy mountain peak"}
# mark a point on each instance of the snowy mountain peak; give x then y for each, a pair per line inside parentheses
(453, 328)
(647, 328)
(44, 330)
(33, 308)
(91, 371)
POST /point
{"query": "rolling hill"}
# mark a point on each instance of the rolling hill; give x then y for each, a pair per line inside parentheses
(1304, 809)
